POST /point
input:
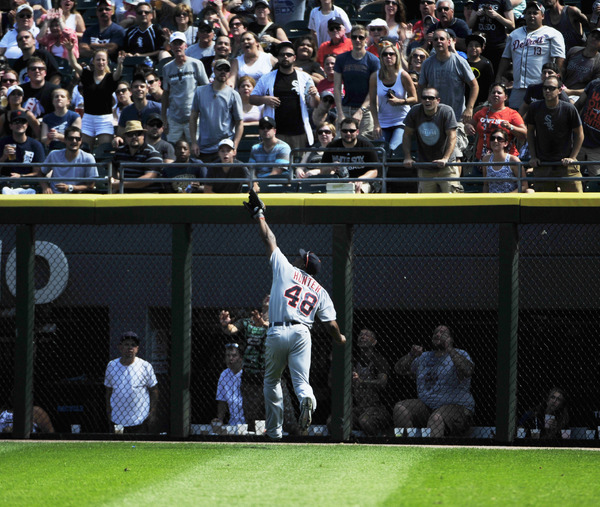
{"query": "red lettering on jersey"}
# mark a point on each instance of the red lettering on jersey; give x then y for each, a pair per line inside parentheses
(307, 281)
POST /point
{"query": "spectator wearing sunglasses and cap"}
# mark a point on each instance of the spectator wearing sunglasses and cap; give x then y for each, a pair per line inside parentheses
(8, 43)
(338, 43)
(105, 35)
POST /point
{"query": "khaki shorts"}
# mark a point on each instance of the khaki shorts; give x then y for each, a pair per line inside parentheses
(444, 187)
(557, 172)
(457, 419)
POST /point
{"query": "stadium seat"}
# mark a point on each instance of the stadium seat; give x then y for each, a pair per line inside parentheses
(296, 29)
(161, 64)
(371, 11)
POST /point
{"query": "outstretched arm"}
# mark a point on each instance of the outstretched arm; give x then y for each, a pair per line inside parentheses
(266, 234)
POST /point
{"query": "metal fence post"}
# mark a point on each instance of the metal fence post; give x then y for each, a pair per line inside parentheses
(341, 384)
(25, 308)
(508, 321)
(181, 326)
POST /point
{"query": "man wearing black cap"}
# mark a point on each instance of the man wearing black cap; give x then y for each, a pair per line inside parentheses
(296, 298)
(154, 131)
(205, 45)
(131, 388)
(105, 35)
(337, 44)
(528, 48)
(19, 148)
(219, 109)
(270, 151)
(287, 94)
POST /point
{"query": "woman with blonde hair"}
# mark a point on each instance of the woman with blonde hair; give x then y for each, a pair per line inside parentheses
(325, 134)
(416, 58)
(183, 21)
(392, 93)
(252, 113)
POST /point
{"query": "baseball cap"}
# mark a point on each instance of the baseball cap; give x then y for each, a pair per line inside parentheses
(222, 61)
(337, 21)
(377, 22)
(205, 26)
(105, 2)
(154, 117)
(227, 142)
(537, 5)
(312, 263)
(13, 88)
(327, 93)
(263, 3)
(475, 37)
(267, 120)
(130, 335)
(24, 7)
(177, 36)
(15, 115)
(285, 44)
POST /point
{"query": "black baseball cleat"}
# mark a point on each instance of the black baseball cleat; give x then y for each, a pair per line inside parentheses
(306, 410)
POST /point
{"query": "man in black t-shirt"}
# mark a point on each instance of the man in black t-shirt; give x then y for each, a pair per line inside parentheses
(26, 43)
(37, 93)
(227, 153)
(287, 94)
(352, 162)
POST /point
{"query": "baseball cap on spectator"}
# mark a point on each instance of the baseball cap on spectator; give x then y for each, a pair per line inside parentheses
(13, 88)
(378, 22)
(227, 142)
(285, 44)
(326, 93)
(105, 2)
(16, 115)
(312, 263)
(451, 33)
(469, 2)
(154, 117)
(264, 3)
(475, 37)
(222, 61)
(429, 19)
(337, 21)
(205, 26)
(537, 5)
(177, 36)
(267, 121)
(130, 335)
(24, 7)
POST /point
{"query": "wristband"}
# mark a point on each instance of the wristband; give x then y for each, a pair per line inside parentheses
(70, 188)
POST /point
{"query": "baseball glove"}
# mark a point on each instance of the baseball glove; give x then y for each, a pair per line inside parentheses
(255, 206)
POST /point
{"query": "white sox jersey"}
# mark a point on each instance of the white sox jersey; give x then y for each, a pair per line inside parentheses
(295, 295)
(530, 50)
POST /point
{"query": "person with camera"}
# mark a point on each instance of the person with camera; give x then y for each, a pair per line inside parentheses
(392, 93)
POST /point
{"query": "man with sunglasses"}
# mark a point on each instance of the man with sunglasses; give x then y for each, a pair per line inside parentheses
(435, 125)
(270, 151)
(19, 148)
(145, 38)
(219, 109)
(72, 154)
(27, 44)
(353, 70)
(8, 44)
(338, 43)
(181, 77)
(445, 13)
(136, 150)
(105, 35)
(427, 9)
(554, 134)
(154, 137)
(141, 108)
(286, 95)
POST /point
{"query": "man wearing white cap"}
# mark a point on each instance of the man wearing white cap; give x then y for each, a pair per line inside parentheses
(227, 153)
(180, 78)
(377, 30)
(219, 108)
(8, 44)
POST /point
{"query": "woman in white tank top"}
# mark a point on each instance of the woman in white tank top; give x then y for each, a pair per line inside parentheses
(392, 93)
(71, 17)
(252, 62)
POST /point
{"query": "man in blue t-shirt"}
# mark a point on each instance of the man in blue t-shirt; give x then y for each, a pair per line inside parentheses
(21, 149)
(353, 71)
(106, 35)
(270, 151)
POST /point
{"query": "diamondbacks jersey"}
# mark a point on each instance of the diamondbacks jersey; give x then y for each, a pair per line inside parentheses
(296, 295)
(530, 50)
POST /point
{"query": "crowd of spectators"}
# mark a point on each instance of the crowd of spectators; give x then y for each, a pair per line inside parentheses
(511, 84)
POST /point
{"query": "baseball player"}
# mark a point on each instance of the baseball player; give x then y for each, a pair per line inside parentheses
(296, 297)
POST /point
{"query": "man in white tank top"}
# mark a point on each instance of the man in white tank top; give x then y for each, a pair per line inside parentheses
(296, 297)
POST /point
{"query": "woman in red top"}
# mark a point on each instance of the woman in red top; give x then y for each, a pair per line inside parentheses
(497, 115)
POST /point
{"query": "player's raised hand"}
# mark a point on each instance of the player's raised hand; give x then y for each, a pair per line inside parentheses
(255, 206)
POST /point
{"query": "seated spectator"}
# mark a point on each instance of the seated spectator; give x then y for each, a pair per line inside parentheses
(189, 179)
(98, 86)
(582, 65)
(550, 416)
(37, 92)
(154, 137)
(19, 148)
(123, 93)
(145, 38)
(106, 35)
(72, 154)
(14, 96)
(136, 150)
(325, 135)
(229, 388)
(252, 113)
(338, 43)
(54, 32)
(445, 403)
(252, 62)
(350, 163)
(41, 422)
(205, 45)
(325, 111)
(270, 34)
(320, 17)
(141, 108)
(270, 151)
(370, 374)
(227, 153)
(495, 175)
(306, 54)
(24, 21)
(55, 124)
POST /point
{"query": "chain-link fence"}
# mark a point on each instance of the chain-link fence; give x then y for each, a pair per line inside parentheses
(94, 283)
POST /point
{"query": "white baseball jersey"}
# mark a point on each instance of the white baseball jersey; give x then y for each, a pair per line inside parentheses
(296, 295)
(530, 50)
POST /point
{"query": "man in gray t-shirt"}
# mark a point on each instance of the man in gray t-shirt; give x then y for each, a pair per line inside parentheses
(180, 79)
(219, 108)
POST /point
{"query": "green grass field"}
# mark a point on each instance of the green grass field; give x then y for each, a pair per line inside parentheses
(146, 473)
